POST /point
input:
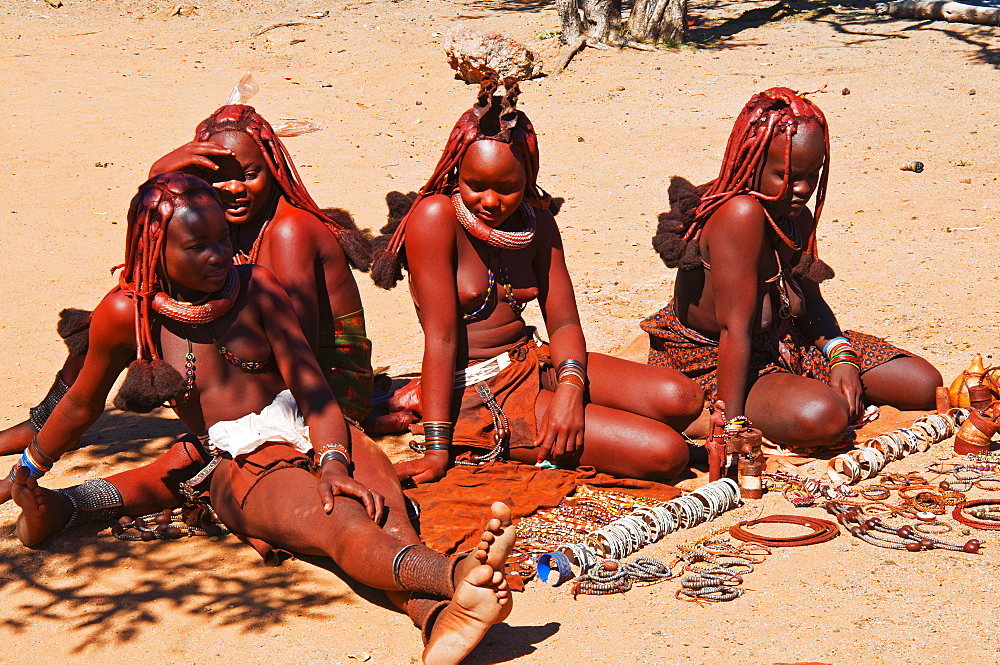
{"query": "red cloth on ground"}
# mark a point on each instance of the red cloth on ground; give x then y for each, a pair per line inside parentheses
(454, 509)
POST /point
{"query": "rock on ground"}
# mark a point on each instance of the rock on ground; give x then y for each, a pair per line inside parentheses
(471, 52)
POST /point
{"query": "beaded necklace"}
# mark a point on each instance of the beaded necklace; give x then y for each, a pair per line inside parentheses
(245, 365)
(507, 292)
(491, 236)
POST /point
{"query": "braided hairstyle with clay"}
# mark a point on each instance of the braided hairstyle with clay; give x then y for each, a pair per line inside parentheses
(776, 111)
(241, 118)
(151, 381)
(492, 118)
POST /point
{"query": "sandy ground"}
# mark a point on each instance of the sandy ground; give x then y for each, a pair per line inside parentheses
(95, 91)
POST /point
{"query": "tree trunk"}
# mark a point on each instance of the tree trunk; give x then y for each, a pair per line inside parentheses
(598, 22)
(954, 12)
(604, 18)
(571, 16)
(655, 21)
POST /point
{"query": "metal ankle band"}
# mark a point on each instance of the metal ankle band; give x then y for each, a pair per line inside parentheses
(37, 415)
(96, 500)
(420, 569)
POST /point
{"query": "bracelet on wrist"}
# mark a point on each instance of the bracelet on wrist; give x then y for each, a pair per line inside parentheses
(336, 456)
(835, 342)
(334, 447)
(572, 372)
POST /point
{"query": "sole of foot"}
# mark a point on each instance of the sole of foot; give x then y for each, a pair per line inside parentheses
(495, 544)
(481, 600)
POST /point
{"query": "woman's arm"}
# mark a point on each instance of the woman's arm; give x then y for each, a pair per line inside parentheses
(293, 259)
(302, 375)
(732, 241)
(112, 348)
(433, 264)
(820, 325)
(190, 157)
(561, 430)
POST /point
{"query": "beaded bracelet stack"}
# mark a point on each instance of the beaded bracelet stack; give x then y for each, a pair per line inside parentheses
(572, 372)
(840, 352)
(334, 451)
(34, 460)
(716, 568)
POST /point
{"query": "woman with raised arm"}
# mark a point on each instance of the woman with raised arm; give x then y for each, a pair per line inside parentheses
(275, 223)
(747, 320)
(288, 470)
(479, 244)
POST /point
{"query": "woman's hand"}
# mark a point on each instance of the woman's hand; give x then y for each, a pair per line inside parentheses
(432, 466)
(846, 380)
(560, 431)
(193, 154)
(334, 480)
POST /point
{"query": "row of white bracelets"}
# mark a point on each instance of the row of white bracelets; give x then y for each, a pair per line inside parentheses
(649, 524)
(873, 455)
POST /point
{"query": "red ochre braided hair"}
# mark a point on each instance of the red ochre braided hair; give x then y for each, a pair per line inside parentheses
(151, 381)
(241, 118)
(492, 118)
(768, 114)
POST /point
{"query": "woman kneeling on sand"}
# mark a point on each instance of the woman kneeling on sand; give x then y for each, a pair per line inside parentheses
(766, 348)
(480, 243)
(291, 472)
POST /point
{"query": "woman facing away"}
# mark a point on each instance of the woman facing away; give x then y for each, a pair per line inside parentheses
(275, 223)
(748, 320)
(291, 473)
(479, 244)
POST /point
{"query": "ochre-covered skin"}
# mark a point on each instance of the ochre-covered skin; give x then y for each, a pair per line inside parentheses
(751, 228)
(628, 420)
(179, 244)
(278, 225)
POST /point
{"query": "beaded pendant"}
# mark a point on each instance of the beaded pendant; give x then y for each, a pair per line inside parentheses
(190, 372)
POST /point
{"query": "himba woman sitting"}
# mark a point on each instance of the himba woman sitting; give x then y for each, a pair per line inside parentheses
(292, 473)
(747, 320)
(274, 223)
(480, 243)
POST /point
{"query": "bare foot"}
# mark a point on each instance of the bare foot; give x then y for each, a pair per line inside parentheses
(481, 600)
(494, 546)
(43, 512)
(17, 438)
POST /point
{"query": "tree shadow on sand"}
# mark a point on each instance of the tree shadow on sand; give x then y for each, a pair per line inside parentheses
(106, 591)
(720, 24)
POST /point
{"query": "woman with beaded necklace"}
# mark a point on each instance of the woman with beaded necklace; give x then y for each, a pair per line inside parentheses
(288, 470)
(479, 243)
(275, 223)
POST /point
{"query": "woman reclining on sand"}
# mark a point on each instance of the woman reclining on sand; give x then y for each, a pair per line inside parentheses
(222, 345)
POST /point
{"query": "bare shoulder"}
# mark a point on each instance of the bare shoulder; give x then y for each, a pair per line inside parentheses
(259, 279)
(294, 227)
(547, 229)
(433, 220)
(114, 319)
(741, 212)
